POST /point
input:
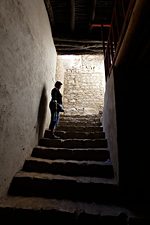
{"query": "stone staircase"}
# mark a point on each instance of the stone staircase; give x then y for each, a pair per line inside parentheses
(68, 180)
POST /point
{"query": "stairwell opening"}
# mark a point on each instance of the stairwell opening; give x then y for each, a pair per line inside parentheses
(83, 80)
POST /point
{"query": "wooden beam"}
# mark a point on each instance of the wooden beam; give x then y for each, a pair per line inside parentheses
(72, 15)
(93, 8)
(79, 52)
(76, 41)
(76, 49)
(78, 46)
(65, 46)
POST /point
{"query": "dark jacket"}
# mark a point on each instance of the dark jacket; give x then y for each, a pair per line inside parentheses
(56, 97)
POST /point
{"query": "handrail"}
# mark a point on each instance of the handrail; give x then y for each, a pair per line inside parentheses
(119, 24)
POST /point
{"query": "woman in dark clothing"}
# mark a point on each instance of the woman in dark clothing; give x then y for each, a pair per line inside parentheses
(55, 107)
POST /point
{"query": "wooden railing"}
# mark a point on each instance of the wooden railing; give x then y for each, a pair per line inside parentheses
(120, 19)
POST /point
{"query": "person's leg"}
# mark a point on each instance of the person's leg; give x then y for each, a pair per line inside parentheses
(57, 118)
(56, 123)
(53, 123)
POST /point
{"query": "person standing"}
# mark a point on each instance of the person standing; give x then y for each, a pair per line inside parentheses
(56, 107)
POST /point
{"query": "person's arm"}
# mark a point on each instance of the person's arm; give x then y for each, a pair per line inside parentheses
(54, 98)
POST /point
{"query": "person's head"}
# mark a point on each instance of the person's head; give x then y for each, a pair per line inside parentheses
(58, 84)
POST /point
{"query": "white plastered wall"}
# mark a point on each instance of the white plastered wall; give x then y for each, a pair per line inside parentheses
(27, 74)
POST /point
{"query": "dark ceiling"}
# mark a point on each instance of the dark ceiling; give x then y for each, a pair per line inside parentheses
(79, 26)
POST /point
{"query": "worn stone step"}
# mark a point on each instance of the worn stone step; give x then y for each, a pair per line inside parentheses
(94, 120)
(69, 187)
(79, 123)
(36, 210)
(73, 143)
(41, 211)
(69, 167)
(79, 128)
(81, 117)
(76, 134)
(97, 154)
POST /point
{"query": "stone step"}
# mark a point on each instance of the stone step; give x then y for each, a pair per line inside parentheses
(70, 119)
(86, 189)
(76, 134)
(69, 167)
(73, 143)
(81, 117)
(79, 128)
(36, 210)
(79, 123)
(97, 154)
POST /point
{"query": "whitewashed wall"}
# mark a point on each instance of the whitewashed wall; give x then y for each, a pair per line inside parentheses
(27, 74)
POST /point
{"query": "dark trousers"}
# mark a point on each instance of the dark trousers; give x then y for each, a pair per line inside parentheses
(54, 120)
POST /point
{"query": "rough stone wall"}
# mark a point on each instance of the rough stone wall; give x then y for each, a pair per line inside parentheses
(84, 84)
(27, 65)
(60, 71)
